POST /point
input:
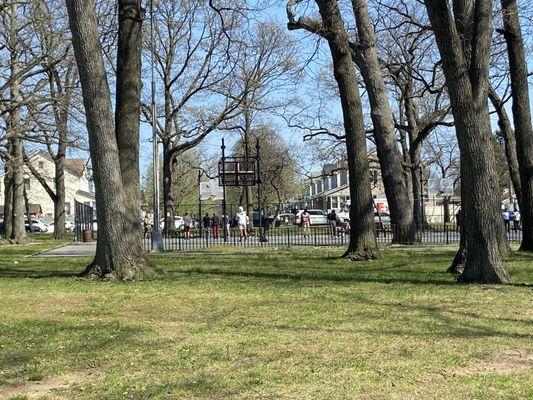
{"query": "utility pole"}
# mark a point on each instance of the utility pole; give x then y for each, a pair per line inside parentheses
(157, 240)
(224, 211)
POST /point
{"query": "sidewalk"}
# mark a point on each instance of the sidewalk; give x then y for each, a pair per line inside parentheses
(70, 250)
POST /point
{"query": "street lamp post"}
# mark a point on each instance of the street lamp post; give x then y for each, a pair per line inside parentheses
(157, 240)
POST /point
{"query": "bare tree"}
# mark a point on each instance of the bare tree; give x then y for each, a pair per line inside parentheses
(119, 253)
(521, 115)
(464, 44)
(264, 72)
(364, 54)
(17, 88)
(362, 244)
(59, 68)
(194, 63)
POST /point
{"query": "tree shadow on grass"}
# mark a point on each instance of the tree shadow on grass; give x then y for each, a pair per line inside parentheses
(346, 276)
(37, 273)
(366, 274)
(60, 341)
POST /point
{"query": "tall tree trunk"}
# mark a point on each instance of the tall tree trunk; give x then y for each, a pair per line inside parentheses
(59, 201)
(18, 228)
(168, 196)
(8, 194)
(390, 158)
(119, 250)
(247, 132)
(18, 233)
(510, 142)
(59, 177)
(467, 83)
(521, 116)
(28, 210)
(362, 245)
(128, 108)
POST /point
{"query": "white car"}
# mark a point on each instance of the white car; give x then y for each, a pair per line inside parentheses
(69, 226)
(37, 223)
(317, 217)
(178, 222)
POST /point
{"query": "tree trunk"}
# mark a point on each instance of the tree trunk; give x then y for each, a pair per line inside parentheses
(18, 228)
(59, 177)
(510, 142)
(467, 83)
(362, 245)
(27, 210)
(18, 233)
(8, 195)
(521, 116)
(390, 158)
(168, 196)
(128, 108)
(119, 251)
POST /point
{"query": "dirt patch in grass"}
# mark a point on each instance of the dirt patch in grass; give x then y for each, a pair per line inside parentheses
(509, 361)
(46, 387)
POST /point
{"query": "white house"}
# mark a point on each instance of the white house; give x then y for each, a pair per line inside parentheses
(79, 185)
(328, 189)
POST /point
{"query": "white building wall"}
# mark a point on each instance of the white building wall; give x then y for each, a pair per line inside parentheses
(76, 187)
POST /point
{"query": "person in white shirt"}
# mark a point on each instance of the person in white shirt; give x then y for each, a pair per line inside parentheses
(242, 222)
(516, 220)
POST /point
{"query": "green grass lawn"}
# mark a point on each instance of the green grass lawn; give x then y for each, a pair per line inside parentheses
(264, 324)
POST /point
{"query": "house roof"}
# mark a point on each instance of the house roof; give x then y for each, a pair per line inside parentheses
(76, 166)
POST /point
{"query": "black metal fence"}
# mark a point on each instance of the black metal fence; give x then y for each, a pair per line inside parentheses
(292, 235)
(84, 216)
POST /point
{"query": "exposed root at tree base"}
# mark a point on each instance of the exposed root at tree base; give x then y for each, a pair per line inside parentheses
(361, 254)
(141, 270)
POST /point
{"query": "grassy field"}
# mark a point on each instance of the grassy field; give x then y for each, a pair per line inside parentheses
(269, 324)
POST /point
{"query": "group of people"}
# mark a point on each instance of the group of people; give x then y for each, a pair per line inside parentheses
(511, 217)
(214, 223)
(336, 226)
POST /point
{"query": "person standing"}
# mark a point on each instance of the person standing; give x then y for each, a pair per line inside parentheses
(516, 220)
(215, 223)
(242, 222)
(148, 224)
(207, 224)
(458, 220)
(506, 216)
(187, 223)
(332, 221)
(305, 222)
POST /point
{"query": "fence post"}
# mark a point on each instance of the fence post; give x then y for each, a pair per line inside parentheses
(447, 233)
(288, 238)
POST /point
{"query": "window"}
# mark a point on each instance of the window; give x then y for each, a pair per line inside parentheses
(344, 177)
(27, 185)
(67, 208)
(334, 181)
(40, 164)
(334, 202)
(91, 186)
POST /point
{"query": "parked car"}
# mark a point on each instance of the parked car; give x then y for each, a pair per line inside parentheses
(69, 226)
(317, 217)
(178, 222)
(267, 221)
(37, 225)
(285, 218)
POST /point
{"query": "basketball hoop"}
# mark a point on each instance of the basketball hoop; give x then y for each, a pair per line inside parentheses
(237, 171)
